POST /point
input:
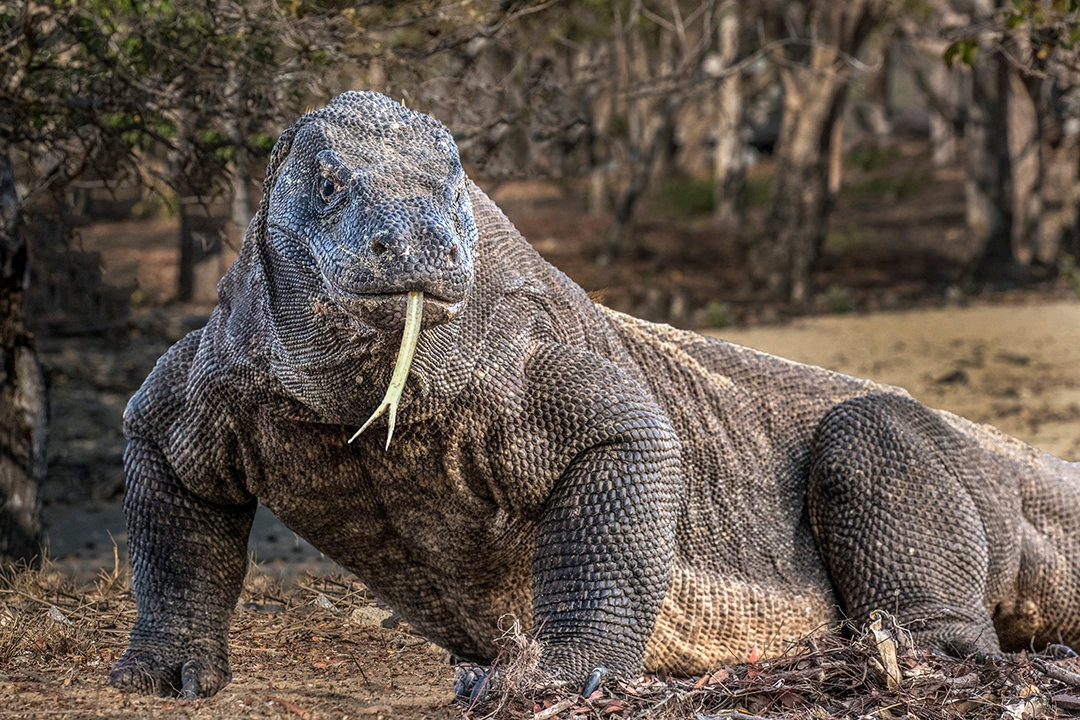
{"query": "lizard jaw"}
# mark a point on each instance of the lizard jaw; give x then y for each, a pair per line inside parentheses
(414, 310)
(385, 312)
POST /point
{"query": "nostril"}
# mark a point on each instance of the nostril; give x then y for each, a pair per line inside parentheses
(378, 245)
(454, 253)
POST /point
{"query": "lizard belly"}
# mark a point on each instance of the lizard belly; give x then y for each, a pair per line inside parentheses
(709, 619)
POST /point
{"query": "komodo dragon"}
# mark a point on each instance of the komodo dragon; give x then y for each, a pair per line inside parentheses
(640, 497)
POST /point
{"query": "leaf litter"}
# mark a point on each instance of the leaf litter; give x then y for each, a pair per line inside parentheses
(308, 648)
(870, 672)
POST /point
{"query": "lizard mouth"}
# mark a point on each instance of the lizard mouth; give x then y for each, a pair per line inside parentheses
(388, 311)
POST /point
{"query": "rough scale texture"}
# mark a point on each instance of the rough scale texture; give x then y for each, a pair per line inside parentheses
(646, 498)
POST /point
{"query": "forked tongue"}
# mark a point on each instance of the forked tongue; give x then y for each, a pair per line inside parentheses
(413, 310)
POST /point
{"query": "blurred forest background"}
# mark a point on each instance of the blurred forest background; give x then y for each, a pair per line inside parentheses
(699, 162)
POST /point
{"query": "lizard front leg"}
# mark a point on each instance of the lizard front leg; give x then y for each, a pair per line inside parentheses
(604, 552)
(188, 558)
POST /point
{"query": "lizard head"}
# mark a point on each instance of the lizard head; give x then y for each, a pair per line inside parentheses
(368, 200)
(365, 230)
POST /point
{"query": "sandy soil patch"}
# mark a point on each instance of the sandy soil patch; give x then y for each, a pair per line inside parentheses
(1013, 366)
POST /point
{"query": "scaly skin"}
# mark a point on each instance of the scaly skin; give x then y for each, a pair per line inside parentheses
(645, 498)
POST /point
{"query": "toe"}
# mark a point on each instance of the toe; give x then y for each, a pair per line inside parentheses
(595, 679)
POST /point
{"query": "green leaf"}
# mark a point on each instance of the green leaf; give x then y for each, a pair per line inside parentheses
(963, 50)
(970, 51)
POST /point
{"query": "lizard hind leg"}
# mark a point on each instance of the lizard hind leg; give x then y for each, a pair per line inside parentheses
(897, 526)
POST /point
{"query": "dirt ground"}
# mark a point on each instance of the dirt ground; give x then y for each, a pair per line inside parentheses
(308, 642)
(319, 648)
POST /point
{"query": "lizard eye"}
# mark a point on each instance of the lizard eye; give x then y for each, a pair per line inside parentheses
(332, 180)
(327, 189)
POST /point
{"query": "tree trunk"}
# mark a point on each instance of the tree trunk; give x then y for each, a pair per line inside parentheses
(729, 165)
(650, 128)
(1059, 219)
(795, 227)
(942, 113)
(815, 78)
(1026, 167)
(836, 156)
(942, 92)
(1051, 215)
(642, 164)
(241, 202)
(23, 401)
(203, 222)
(989, 206)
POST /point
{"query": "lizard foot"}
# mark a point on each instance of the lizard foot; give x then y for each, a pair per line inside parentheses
(958, 634)
(471, 684)
(148, 673)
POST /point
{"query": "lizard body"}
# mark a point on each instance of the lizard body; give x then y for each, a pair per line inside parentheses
(642, 497)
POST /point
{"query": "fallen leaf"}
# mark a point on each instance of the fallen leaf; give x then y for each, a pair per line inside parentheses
(719, 676)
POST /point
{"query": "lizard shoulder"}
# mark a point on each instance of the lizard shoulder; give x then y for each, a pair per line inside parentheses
(161, 397)
(589, 396)
(186, 408)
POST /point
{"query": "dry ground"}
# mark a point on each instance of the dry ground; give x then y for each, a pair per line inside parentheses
(323, 649)
(318, 649)
(1013, 365)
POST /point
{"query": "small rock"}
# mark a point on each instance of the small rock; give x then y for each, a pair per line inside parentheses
(324, 602)
(57, 616)
(369, 616)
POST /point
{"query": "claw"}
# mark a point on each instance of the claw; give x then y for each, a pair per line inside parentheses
(480, 689)
(472, 685)
(189, 678)
(413, 312)
(982, 657)
(595, 679)
(463, 684)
